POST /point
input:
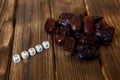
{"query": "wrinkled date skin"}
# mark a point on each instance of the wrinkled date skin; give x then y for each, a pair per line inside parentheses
(64, 19)
(88, 25)
(104, 37)
(75, 24)
(69, 44)
(60, 37)
(91, 40)
(88, 53)
(80, 34)
(104, 33)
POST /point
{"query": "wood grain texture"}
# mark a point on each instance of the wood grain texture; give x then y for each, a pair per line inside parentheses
(28, 19)
(6, 10)
(68, 68)
(110, 55)
(29, 31)
(6, 36)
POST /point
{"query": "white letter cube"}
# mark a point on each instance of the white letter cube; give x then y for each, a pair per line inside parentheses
(32, 51)
(16, 58)
(46, 44)
(24, 54)
(39, 48)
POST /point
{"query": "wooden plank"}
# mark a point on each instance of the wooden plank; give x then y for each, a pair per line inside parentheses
(6, 36)
(68, 68)
(110, 56)
(29, 31)
(6, 10)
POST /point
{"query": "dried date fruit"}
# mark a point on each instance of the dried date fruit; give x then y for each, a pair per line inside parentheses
(80, 34)
(64, 22)
(88, 53)
(104, 37)
(62, 27)
(88, 25)
(50, 26)
(104, 27)
(64, 19)
(75, 24)
(99, 26)
(89, 40)
(69, 44)
(81, 47)
(60, 37)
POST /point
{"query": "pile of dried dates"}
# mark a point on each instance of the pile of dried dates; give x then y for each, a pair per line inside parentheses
(80, 34)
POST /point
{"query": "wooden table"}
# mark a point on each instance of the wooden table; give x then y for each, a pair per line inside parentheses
(22, 27)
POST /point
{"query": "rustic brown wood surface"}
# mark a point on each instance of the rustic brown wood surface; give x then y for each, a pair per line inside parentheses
(22, 27)
(29, 31)
(6, 36)
(68, 68)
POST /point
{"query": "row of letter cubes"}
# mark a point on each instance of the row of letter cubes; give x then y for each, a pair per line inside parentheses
(31, 51)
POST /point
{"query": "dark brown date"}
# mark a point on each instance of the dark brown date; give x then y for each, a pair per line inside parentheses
(89, 40)
(88, 25)
(50, 26)
(60, 37)
(69, 44)
(80, 34)
(87, 52)
(75, 24)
